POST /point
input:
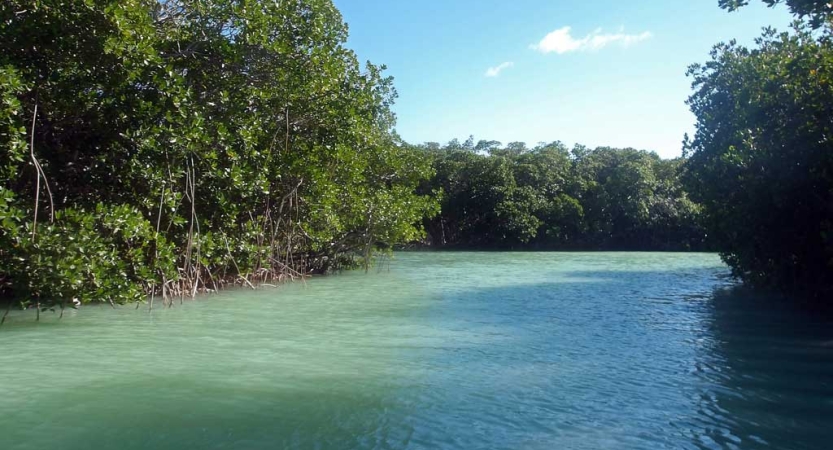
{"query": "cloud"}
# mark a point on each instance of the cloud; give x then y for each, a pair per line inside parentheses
(495, 71)
(560, 41)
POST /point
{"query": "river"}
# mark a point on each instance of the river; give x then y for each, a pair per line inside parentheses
(434, 351)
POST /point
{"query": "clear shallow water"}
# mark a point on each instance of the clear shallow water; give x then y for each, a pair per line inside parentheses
(443, 351)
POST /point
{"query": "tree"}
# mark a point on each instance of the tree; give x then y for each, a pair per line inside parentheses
(761, 161)
(816, 11)
(189, 144)
(548, 197)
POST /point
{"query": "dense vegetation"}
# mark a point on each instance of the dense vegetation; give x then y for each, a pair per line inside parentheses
(552, 197)
(172, 147)
(761, 162)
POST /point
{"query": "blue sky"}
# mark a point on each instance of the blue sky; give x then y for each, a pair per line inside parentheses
(615, 77)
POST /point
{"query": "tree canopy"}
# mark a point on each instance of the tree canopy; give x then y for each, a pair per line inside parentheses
(552, 197)
(175, 146)
(761, 161)
(816, 11)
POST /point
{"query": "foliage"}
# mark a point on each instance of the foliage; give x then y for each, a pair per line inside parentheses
(97, 255)
(191, 142)
(818, 12)
(549, 197)
(761, 160)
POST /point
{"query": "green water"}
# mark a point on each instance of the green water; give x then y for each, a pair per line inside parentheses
(440, 351)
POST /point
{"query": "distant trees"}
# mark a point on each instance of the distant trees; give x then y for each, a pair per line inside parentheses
(761, 161)
(550, 197)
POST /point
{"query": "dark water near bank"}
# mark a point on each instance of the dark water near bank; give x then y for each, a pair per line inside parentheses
(447, 351)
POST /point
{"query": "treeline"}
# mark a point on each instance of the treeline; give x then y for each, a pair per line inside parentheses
(553, 198)
(173, 147)
(760, 167)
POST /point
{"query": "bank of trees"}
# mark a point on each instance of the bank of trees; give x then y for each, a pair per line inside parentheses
(552, 197)
(761, 161)
(173, 147)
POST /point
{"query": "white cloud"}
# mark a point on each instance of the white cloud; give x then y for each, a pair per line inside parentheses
(495, 71)
(560, 41)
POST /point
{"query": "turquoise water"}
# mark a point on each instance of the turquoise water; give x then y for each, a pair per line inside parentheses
(436, 351)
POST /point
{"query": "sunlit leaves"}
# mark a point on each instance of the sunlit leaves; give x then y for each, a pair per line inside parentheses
(816, 11)
(761, 160)
(243, 130)
(549, 197)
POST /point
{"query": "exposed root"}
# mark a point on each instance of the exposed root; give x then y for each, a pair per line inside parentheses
(8, 309)
(41, 174)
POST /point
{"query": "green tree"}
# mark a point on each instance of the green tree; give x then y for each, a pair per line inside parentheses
(818, 12)
(548, 197)
(761, 161)
(237, 141)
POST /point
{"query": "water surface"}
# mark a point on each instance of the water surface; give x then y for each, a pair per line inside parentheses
(436, 351)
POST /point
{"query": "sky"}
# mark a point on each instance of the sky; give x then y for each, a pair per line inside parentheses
(602, 72)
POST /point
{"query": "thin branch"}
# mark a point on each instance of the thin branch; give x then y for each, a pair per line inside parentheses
(156, 246)
(228, 249)
(40, 173)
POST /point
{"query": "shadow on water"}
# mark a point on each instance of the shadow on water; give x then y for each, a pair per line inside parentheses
(767, 369)
(633, 360)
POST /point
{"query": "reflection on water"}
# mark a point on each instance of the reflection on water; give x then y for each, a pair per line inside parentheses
(767, 371)
(449, 351)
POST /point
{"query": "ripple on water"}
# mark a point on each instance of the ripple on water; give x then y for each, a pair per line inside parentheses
(445, 350)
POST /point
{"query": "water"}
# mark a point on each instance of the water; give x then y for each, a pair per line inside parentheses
(443, 351)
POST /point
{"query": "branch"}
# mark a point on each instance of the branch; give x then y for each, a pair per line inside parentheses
(40, 173)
